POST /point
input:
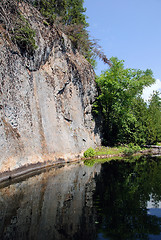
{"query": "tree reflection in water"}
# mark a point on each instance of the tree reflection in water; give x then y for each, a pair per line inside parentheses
(123, 194)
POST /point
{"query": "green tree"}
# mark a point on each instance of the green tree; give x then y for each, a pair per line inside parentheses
(118, 88)
(71, 18)
(75, 13)
(154, 119)
(140, 111)
(50, 9)
(70, 11)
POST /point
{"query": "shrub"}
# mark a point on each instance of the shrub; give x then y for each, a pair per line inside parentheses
(90, 152)
(24, 36)
(131, 149)
(17, 28)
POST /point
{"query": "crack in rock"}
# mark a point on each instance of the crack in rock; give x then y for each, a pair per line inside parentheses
(61, 91)
(68, 120)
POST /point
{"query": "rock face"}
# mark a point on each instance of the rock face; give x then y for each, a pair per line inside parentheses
(45, 99)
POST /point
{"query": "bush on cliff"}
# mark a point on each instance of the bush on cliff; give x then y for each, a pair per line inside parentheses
(17, 28)
(90, 152)
(24, 36)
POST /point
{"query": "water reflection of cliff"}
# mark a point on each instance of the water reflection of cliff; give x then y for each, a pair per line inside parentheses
(52, 205)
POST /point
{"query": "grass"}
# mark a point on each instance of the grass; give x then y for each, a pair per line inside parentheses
(128, 150)
(114, 153)
(108, 150)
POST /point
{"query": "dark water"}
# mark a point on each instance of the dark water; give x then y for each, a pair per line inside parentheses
(118, 200)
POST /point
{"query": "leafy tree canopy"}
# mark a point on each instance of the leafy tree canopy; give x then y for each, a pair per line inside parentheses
(119, 88)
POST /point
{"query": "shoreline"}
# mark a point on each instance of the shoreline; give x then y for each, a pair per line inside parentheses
(142, 152)
(32, 169)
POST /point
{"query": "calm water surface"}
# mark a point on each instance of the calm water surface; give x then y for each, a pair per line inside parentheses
(117, 200)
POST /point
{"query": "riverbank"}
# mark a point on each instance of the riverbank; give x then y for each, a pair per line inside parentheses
(100, 153)
(108, 152)
(31, 169)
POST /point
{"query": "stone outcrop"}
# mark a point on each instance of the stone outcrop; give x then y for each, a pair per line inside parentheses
(45, 99)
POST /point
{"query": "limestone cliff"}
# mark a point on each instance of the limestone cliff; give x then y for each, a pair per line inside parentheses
(45, 99)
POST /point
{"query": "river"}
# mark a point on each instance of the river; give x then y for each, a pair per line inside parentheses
(114, 200)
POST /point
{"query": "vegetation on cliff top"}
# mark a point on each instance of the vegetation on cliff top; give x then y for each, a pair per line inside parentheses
(67, 15)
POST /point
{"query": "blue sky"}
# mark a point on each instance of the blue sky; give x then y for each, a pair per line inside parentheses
(129, 30)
